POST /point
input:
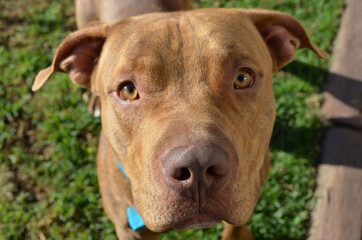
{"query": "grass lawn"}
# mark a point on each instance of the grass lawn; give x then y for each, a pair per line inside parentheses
(48, 182)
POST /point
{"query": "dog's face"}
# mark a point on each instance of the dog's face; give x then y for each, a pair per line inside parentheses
(187, 106)
(174, 83)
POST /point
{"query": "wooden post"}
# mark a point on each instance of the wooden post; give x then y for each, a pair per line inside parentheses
(338, 212)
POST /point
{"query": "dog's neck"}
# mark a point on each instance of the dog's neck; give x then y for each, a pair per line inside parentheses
(135, 221)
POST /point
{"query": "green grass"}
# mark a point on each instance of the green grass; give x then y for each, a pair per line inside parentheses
(48, 182)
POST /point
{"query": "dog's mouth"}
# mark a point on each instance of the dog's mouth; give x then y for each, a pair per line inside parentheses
(186, 216)
(182, 213)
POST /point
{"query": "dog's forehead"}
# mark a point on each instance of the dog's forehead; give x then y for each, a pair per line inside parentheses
(172, 44)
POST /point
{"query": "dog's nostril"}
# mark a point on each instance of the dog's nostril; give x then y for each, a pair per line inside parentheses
(212, 170)
(182, 174)
(215, 170)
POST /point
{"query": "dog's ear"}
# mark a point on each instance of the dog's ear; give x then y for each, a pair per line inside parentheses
(283, 35)
(76, 55)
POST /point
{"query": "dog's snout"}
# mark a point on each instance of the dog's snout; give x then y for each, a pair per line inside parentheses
(201, 168)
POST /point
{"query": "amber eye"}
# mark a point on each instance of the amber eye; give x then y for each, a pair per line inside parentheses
(243, 79)
(128, 92)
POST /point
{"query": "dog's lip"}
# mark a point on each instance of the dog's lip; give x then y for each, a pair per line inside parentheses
(197, 221)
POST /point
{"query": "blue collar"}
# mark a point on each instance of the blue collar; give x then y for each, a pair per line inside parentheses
(135, 221)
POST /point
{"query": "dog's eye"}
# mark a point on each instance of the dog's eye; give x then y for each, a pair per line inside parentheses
(243, 79)
(128, 92)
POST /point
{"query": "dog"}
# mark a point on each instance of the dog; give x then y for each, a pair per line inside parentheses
(187, 113)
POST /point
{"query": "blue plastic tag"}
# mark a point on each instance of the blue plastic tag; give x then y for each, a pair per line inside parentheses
(135, 221)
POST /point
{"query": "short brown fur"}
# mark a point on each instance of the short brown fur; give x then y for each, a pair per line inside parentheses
(183, 65)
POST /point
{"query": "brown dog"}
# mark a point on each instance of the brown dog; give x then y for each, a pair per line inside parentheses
(187, 110)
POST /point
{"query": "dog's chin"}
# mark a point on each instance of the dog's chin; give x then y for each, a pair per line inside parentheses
(190, 222)
(189, 215)
(197, 221)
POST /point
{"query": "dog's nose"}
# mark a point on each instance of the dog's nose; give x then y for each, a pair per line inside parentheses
(201, 167)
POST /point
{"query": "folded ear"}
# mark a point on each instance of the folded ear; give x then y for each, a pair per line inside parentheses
(76, 55)
(283, 35)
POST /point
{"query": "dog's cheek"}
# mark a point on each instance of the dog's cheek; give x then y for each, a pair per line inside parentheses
(117, 128)
(251, 144)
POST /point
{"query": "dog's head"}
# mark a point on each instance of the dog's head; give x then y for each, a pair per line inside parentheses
(187, 105)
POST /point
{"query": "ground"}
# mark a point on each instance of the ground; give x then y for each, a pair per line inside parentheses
(48, 182)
